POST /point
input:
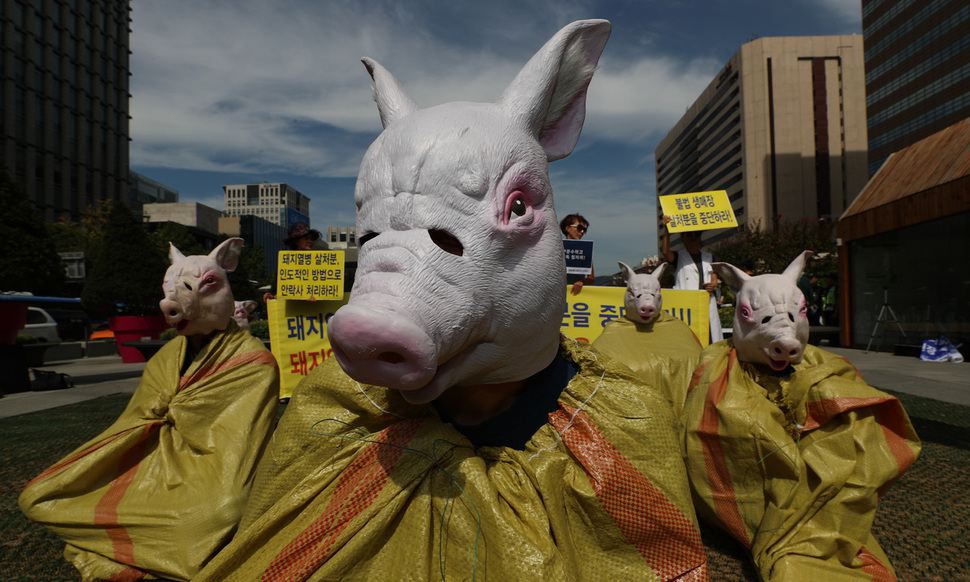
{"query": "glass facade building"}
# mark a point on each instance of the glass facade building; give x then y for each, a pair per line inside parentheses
(917, 59)
(64, 76)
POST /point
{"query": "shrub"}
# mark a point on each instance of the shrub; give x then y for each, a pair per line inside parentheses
(259, 328)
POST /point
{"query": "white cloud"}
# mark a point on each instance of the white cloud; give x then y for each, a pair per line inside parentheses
(849, 11)
(235, 86)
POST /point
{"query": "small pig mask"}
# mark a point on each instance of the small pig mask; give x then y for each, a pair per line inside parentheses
(771, 318)
(242, 311)
(198, 300)
(460, 275)
(643, 302)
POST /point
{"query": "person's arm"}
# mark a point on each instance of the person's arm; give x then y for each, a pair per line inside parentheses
(668, 256)
(711, 285)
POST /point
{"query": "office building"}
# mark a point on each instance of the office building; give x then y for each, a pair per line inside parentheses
(276, 202)
(917, 57)
(144, 190)
(258, 233)
(191, 214)
(781, 128)
(64, 72)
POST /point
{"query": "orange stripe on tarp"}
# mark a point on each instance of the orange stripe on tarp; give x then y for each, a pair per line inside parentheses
(256, 357)
(127, 574)
(357, 488)
(695, 378)
(669, 542)
(872, 566)
(819, 412)
(106, 511)
(888, 413)
(79, 455)
(718, 475)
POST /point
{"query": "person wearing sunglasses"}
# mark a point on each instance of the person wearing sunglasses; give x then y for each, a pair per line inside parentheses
(574, 227)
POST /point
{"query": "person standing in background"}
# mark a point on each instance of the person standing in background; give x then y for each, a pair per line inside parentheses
(574, 227)
(299, 238)
(693, 272)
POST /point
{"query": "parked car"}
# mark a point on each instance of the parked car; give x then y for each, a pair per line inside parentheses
(41, 325)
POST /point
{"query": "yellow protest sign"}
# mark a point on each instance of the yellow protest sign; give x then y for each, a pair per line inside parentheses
(588, 313)
(310, 275)
(698, 211)
(298, 337)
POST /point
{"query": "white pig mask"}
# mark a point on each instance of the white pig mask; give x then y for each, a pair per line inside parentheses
(771, 317)
(242, 311)
(198, 299)
(460, 275)
(642, 300)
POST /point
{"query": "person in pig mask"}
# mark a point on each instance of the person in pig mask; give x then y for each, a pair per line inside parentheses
(466, 440)
(657, 346)
(163, 488)
(788, 448)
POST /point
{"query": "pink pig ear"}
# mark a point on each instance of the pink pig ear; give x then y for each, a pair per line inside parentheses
(226, 255)
(174, 255)
(734, 276)
(659, 271)
(548, 96)
(794, 270)
(625, 270)
(392, 102)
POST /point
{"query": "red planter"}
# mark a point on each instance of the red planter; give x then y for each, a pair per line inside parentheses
(129, 328)
(13, 318)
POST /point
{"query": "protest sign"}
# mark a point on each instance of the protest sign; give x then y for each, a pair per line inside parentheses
(298, 337)
(698, 211)
(588, 313)
(310, 275)
(579, 256)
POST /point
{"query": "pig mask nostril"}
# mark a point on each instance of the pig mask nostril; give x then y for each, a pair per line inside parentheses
(447, 242)
(187, 286)
(391, 357)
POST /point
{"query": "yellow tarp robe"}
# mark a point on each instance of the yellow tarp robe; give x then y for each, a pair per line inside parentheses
(792, 467)
(664, 354)
(348, 492)
(163, 488)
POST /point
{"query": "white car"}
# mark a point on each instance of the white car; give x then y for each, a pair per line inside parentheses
(41, 325)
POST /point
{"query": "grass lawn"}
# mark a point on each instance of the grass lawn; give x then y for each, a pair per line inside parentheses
(922, 523)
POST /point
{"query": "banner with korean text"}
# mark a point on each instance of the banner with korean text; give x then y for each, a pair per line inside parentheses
(310, 275)
(698, 211)
(588, 313)
(298, 337)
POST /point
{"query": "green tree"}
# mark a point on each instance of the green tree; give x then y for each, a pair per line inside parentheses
(28, 256)
(770, 251)
(248, 276)
(126, 268)
(180, 236)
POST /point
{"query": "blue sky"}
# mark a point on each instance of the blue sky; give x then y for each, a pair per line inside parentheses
(227, 92)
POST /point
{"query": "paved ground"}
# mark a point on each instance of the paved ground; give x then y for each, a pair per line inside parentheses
(923, 522)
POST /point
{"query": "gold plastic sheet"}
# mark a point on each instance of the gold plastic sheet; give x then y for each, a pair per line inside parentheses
(163, 488)
(359, 485)
(663, 354)
(792, 467)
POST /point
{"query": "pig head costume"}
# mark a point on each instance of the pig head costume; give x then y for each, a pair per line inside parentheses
(788, 449)
(658, 347)
(458, 296)
(163, 488)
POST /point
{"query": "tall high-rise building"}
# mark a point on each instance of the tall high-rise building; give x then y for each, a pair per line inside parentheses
(782, 128)
(917, 58)
(64, 101)
(276, 202)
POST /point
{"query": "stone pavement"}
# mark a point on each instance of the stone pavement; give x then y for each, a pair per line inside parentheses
(95, 377)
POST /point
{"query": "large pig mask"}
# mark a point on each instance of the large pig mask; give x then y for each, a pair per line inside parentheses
(642, 301)
(198, 299)
(460, 275)
(771, 317)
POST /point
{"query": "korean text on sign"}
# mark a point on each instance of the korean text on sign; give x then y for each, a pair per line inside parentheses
(698, 211)
(298, 338)
(310, 275)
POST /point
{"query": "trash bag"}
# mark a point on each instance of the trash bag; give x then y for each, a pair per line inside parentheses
(359, 485)
(663, 354)
(163, 488)
(793, 466)
(940, 349)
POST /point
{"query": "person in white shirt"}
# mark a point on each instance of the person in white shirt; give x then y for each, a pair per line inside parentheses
(693, 271)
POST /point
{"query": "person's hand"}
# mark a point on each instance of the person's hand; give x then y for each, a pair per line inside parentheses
(268, 296)
(577, 288)
(666, 220)
(710, 287)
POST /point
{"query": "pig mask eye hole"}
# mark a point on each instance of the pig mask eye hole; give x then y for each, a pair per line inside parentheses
(518, 207)
(363, 240)
(187, 286)
(515, 206)
(745, 312)
(791, 317)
